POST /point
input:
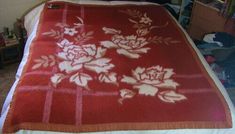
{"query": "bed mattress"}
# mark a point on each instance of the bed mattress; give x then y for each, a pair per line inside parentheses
(125, 70)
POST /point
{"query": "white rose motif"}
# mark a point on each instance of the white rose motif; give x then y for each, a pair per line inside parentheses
(72, 59)
(130, 46)
(70, 31)
(75, 56)
(155, 75)
(129, 42)
(150, 80)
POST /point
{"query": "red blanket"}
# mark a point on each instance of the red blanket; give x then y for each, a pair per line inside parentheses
(99, 68)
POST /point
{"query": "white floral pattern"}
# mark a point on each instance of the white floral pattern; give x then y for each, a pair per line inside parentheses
(148, 81)
(76, 58)
(57, 78)
(133, 45)
(145, 20)
(130, 46)
(140, 21)
(70, 31)
(88, 56)
(108, 78)
(80, 79)
(171, 96)
(72, 59)
(126, 94)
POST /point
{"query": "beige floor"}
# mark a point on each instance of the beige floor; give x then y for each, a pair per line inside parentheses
(7, 77)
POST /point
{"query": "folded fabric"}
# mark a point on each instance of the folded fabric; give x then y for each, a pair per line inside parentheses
(220, 38)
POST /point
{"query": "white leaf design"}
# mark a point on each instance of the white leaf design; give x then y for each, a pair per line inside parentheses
(64, 42)
(142, 31)
(126, 94)
(52, 58)
(110, 31)
(169, 73)
(68, 67)
(138, 71)
(38, 60)
(53, 33)
(168, 83)
(36, 66)
(133, 21)
(44, 57)
(57, 78)
(128, 54)
(61, 25)
(44, 61)
(80, 19)
(50, 33)
(146, 89)
(128, 80)
(100, 52)
(108, 44)
(99, 65)
(171, 96)
(108, 78)
(83, 37)
(89, 33)
(141, 50)
(81, 79)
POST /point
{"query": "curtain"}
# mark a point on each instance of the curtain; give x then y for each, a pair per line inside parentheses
(231, 8)
(228, 9)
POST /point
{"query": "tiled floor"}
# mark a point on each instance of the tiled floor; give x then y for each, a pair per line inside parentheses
(7, 77)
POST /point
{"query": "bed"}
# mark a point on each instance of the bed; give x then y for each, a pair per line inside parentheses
(113, 67)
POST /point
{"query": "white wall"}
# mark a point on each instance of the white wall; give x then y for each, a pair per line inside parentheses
(12, 9)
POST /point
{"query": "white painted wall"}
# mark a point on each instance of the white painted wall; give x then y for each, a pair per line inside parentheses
(12, 9)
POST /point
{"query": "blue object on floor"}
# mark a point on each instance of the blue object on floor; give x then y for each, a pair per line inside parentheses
(226, 39)
(208, 46)
(222, 47)
(229, 67)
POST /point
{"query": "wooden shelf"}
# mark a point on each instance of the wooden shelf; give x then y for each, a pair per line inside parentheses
(205, 19)
(10, 54)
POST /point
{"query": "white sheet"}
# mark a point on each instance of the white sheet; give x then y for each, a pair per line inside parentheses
(176, 131)
(31, 18)
(19, 71)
